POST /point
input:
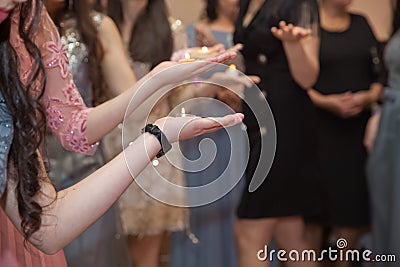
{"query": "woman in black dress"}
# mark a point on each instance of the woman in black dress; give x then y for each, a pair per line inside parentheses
(285, 57)
(346, 88)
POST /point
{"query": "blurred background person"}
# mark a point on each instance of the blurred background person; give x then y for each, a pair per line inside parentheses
(383, 172)
(100, 70)
(349, 84)
(37, 87)
(150, 36)
(212, 241)
(216, 24)
(280, 45)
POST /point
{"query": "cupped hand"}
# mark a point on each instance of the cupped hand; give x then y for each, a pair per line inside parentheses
(230, 98)
(289, 32)
(232, 81)
(181, 128)
(170, 72)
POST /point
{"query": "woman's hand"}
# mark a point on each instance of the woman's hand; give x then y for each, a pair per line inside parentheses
(181, 128)
(289, 32)
(371, 131)
(236, 83)
(204, 35)
(170, 72)
(344, 105)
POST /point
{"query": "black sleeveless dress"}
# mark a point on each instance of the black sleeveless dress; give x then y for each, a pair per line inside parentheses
(289, 184)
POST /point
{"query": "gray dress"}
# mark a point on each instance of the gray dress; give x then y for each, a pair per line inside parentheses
(383, 167)
(102, 244)
(211, 224)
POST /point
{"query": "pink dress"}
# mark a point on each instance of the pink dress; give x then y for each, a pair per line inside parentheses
(66, 117)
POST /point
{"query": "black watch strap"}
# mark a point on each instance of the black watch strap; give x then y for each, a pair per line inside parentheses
(154, 130)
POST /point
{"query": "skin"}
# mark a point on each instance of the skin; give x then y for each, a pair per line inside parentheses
(335, 17)
(302, 51)
(101, 189)
(6, 6)
(227, 12)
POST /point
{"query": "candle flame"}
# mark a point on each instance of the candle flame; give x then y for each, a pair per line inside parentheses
(232, 67)
(187, 55)
(183, 111)
(204, 49)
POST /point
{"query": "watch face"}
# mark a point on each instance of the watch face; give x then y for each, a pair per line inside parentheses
(153, 129)
(165, 145)
(156, 130)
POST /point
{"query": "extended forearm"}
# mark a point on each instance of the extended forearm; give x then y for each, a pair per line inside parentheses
(105, 117)
(77, 207)
(303, 62)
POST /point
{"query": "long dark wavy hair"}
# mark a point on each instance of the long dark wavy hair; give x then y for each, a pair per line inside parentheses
(81, 10)
(151, 38)
(210, 12)
(24, 162)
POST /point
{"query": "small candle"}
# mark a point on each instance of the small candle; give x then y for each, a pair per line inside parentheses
(187, 58)
(201, 53)
(231, 71)
(204, 49)
(183, 112)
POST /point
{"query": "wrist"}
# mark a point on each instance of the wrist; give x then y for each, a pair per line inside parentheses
(376, 109)
(162, 139)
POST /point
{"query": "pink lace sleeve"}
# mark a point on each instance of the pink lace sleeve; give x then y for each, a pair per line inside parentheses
(65, 109)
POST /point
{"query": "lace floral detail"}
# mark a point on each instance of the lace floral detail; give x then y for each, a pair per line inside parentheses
(72, 95)
(59, 57)
(77, 137)
(54, 117)
(65, 109)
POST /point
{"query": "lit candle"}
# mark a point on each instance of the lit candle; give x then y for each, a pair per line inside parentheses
(231, 71)
(183, 112)
(200, 53)
(204, 49)
(187, 58)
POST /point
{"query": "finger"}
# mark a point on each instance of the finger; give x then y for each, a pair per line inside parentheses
(226, 56)
(346, 97)
(216, 48)
(306, 32)
(277, 32)
(200, 126)
(254, 78)
(225, 121)
(303, 33)
(236, 48)
(246, 81)
(282, 24)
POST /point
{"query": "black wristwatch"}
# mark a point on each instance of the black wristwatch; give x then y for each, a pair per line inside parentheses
(154, 130)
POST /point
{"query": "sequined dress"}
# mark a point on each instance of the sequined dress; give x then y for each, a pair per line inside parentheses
(143, 207)
(102, 244)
